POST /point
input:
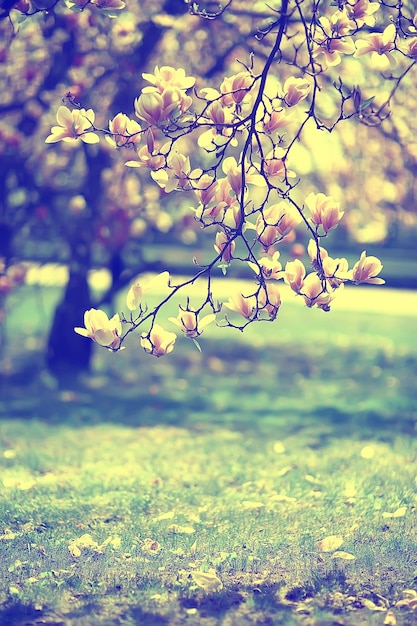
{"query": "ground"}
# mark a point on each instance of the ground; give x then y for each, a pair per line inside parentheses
(270, 479)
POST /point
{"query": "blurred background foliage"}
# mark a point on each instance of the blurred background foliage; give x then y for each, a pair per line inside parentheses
(82, 207)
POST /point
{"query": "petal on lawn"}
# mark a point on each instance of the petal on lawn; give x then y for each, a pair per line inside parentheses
(346, 556)
(208, 581)
(330, 543)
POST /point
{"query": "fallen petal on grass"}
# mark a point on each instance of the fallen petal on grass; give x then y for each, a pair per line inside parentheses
(209, 581)
(346, 556)
(400, 512)
(330, 543)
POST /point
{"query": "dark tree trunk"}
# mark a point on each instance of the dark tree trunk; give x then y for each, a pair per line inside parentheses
(69, 354)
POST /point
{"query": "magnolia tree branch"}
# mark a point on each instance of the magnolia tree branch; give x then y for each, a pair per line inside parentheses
(231, 149)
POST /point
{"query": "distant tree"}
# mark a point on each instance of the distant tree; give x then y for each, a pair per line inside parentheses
(238, 138)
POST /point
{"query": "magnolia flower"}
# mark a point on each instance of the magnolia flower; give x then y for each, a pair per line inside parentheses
(218, 118)
(335, 271)
(379, 46)
(275, 169)
(177, 175)
(295, 90)
(235, 88)
(150, 108)
(268, 266)
(158, 108)
(315, 294)
(275, 223)
(101, 329)
(332, 49)
(269, 299)
(152, 161)
(167, 76)
(223, 199)
(158, 341)
(313, 253)
(366, 270)
(325, 211)
(288, 219)
(337, 26)
(276, 120)
(410, 47)
(267, 234)
(205, 188)
(361, 12)
(189, 323)
(232, 215)
(244, 305)
(331, 41)
(212, 139)
(151, 155)
(124, 131)
(135, 294)
(73, 125)
(224, 246)
(233, 172)
(217, 113)
(227, 214)
(216, 197)
(294, 274)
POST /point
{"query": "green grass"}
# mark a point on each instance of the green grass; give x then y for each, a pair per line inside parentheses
(237, 460)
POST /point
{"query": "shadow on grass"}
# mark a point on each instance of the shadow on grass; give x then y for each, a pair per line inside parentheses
(234, 385)
(91, 613)
(267, 605)
(260, 605)
(21, 614)
(146, 618)
(214, 605)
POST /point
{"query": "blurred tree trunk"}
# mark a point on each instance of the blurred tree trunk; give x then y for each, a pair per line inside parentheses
(68, 354)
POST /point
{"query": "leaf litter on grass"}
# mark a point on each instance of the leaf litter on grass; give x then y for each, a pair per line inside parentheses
(234, 471)
(254, 526)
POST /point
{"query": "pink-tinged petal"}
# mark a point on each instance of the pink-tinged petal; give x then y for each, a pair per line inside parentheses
(95, 318)
(64, 116)
(82, 331)
(67, 139)
(90, 138)
(389, 34)
(104, 337)
(115, 324)
(333, 59)
(244, 305)
(376, 281)
(134, 296)
(159, 342)
(207, 319)
(89, 115)
(57, 134)
(363, 47)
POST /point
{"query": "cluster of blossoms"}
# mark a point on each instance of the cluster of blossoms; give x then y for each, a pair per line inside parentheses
(157, 341)
(333, 37)
(111, 8)
(243, 135)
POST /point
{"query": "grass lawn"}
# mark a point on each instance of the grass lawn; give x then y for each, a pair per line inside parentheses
(270, 479)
